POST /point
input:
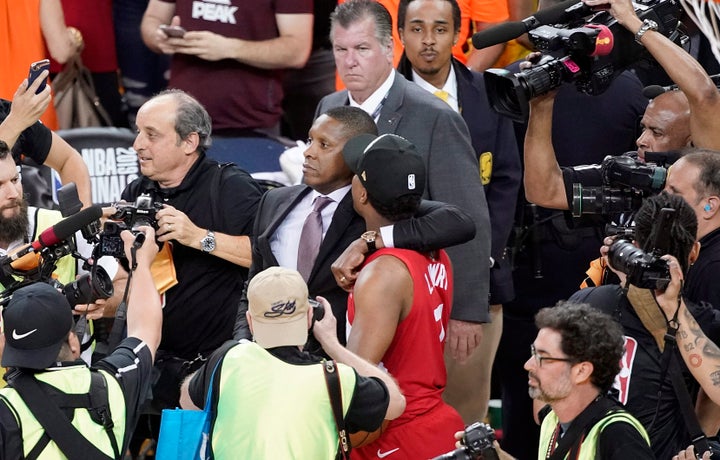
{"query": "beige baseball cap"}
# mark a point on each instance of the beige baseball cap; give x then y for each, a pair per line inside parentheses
(278, 304)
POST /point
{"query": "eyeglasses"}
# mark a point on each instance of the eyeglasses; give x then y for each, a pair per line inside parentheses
(539, 359)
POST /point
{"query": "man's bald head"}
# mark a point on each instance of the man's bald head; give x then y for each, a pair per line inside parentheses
(665, 124)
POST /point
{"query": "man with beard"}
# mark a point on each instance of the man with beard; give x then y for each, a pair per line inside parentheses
(573, 363)
(21, 224)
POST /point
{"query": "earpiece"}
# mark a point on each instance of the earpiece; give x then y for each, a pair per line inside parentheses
(707, 207)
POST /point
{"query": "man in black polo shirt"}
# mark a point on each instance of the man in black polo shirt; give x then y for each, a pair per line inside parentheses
(208, 211)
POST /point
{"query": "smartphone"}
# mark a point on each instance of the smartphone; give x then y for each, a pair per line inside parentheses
(36, 68)
(173, 31)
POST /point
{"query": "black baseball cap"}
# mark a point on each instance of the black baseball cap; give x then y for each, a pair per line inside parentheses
(388, 166)
(36, 321)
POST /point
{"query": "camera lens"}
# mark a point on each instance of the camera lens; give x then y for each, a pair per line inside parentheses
(87, 288)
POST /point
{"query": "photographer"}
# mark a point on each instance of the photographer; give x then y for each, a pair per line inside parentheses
(19, 225)
(42, 353)
(646, 391)
(208, 210)
(672, 120)
(665, 124)
(273, 380)
(575, 358)
(573, 362)
(696, 177)
(700, 353)
(692, 80)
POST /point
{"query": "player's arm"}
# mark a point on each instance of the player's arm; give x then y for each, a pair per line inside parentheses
(383, 295)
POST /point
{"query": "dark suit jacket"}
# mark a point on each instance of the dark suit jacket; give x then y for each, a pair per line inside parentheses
(442, 138)
(440, 226)
(492, 133)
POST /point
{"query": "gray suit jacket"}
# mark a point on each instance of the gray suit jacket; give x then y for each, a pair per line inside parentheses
(442, 138)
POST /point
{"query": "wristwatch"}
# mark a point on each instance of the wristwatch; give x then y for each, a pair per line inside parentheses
(369, 238)
(207, 244)
(648, 24)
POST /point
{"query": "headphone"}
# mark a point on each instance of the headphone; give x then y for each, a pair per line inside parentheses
(707, 207)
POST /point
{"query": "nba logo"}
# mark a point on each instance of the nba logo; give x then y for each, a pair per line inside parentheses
(411, 181)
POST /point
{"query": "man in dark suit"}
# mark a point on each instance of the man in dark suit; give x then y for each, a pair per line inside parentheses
(361, 32)
(282, 213)
(428, 30)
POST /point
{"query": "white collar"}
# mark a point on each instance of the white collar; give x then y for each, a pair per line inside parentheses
(450, 87)
(372, 103)
(335, 195)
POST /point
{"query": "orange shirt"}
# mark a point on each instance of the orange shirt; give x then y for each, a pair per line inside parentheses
(21, 43)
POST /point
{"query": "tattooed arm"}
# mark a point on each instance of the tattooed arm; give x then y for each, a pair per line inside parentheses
(701, 354)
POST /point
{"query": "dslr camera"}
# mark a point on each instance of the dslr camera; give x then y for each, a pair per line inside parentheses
(140, 213)
(590, 50)
(128, 217)
(477, 444)
(626, 181)
(645, 270)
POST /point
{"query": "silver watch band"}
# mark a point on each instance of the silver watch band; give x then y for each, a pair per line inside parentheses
(647, 24)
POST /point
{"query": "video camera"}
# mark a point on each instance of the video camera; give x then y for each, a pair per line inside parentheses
(591, 49)
(645, 270)
(477, 444)
(626, 181)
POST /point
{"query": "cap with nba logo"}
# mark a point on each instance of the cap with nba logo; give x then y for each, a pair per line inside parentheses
(388, 166)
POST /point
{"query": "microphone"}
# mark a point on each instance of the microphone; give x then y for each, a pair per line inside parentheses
(67, 227)
(560, 13)
(28, 258)
(653, 91)
(56, 234)
(498, 34)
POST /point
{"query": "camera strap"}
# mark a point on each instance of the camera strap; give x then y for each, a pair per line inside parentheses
(664, 331)
(118, 328)
(332, 380)
(579, 427)
(56, 424)
(670, 366)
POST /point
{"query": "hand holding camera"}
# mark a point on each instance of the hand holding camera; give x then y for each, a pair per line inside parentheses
(669, 299)
(140, 246)
(324, 326)
(475, 443)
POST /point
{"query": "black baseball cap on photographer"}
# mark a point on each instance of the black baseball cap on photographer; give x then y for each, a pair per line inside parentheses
(36, 322)
(388, 166)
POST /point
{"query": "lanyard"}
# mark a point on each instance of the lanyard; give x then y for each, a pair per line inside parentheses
(553, 441)
(376, 113)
